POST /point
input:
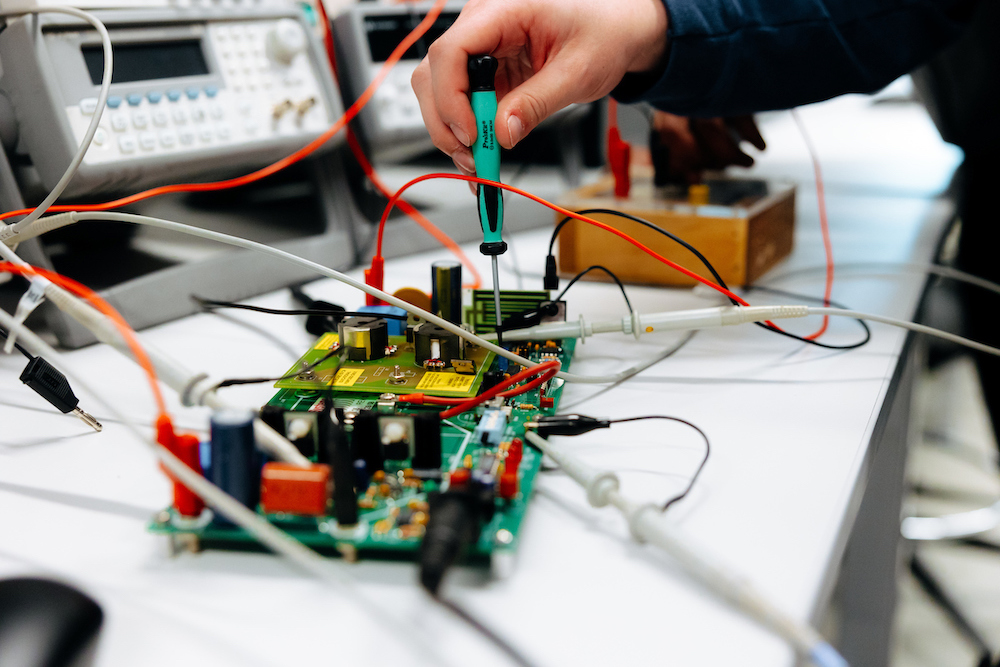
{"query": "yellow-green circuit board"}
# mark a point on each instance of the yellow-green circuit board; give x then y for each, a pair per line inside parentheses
(375, 377)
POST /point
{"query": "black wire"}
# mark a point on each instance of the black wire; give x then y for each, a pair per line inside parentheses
(485, 631)
(708, 265)
(210, 304)
(805, 297)
(596, 267)
(29, 355)
(241, 381)
(697, 473)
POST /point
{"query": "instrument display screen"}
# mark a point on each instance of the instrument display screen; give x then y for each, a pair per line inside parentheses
(386, 31)
(147, 61)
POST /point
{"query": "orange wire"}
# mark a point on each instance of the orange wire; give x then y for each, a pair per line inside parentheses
(824, 223)
(100, 304)
(558, 209)
(275, 167)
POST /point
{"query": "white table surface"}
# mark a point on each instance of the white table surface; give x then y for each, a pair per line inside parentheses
(789, 424)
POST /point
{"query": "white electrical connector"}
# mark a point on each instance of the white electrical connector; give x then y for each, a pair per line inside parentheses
(647, 526)
(26, 305)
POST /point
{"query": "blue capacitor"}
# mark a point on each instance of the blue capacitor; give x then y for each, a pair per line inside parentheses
(397, 327)
(235, 460)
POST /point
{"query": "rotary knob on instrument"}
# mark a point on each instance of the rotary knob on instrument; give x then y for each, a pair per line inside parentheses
(286, 40)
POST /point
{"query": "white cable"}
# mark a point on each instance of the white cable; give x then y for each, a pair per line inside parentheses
(194, 389)
(904, 324)
(647, 526)
(63, 219)
(937, 269)
(267, 534)
(675, 320)
(102, 99)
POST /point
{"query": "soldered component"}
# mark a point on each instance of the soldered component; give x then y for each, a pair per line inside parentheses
(489, 431)
(186, 447)
(431, 342)
(435, 365)
(364, 338)
(427, 441)
(291, 489)
(338, 455)
(508, 485)
(397, 437)
(446, 290)
(298, 426)
(235, 461)
(464, 366)
(367, 441)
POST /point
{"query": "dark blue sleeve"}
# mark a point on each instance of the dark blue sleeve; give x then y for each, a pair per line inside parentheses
(729, 57)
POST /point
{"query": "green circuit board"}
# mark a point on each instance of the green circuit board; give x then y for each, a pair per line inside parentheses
(383, 529)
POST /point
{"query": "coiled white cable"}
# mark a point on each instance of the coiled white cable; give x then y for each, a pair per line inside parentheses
(95, 121)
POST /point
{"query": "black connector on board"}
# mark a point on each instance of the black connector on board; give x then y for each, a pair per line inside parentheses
(52, 385)
(551, 280)
(456, 520)
(566, 425)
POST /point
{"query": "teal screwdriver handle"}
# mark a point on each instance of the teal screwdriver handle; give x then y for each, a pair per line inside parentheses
(486, 151)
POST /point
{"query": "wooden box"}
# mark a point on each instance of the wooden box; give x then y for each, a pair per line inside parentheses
(745, 228)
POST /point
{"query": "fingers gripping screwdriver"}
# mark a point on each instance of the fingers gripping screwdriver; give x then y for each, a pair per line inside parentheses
(486, 153)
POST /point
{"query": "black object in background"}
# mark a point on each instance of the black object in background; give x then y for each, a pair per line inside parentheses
(47, 624)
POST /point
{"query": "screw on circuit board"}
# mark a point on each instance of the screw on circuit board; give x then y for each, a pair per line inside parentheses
(163, 518)
(306, 373)
(397, 376)
(504, 537)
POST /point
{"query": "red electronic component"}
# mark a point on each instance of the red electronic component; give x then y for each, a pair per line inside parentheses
(460, 477)
(546, 402)
(508, 485)
(293, 490)
(514, 454)
(187, 447)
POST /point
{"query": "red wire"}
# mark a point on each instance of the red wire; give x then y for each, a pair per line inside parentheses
(410, 210)
(547, 369)
(275, 167)
(373, 177)
(823, 223)
(558, 209)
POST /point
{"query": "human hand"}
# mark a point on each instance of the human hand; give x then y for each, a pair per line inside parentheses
(552, 53)
(692, 145)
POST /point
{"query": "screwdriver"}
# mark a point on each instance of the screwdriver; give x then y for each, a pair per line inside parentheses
(486, 153)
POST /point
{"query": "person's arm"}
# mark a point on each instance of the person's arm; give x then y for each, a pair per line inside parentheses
(729, 57)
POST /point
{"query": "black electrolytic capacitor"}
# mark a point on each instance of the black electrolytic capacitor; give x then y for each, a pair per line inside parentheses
(427, 441)
(235, 460)
(446, 290)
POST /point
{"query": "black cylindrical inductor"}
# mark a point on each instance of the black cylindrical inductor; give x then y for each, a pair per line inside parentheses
(364, 338)
(235, 461)
(432, 342)
(446, 290)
